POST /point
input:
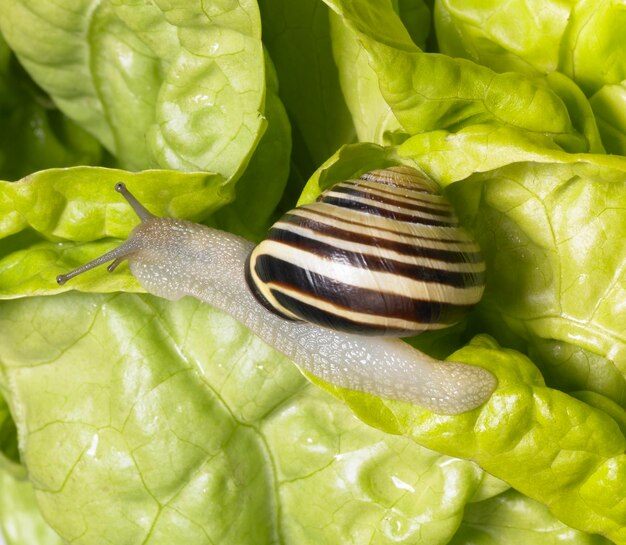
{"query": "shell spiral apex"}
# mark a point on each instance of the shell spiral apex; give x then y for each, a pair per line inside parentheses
(379, 255)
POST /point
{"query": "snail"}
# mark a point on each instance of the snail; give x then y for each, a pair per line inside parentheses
(334, 284)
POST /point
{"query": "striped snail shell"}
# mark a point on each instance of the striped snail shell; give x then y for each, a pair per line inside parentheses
(380, 255)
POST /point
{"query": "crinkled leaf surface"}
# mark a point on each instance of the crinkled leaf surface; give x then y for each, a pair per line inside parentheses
(161, 84)
(546, 444)
(582, 39)
(80, 204)
(21, 522)
(512, 518)
(487, 33)
(429, 91)
(117, 461)
(547, 219)
(548, 224)
(259, 189)
(107, 391)
(137, 498)
(373, 118)
(557, 268)
(110, 390)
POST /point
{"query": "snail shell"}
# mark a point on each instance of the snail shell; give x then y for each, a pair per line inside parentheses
(380, 255)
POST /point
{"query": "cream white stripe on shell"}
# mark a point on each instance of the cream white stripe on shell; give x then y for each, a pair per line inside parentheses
(430, 236)
(404, 195)
(389, 207)
(379, 252)
(359, 317)
(373, 280)
(264, 289)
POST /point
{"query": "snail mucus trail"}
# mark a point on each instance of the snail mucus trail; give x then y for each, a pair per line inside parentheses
(380, 255)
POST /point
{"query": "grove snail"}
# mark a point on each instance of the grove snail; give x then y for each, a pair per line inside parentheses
(381, 255)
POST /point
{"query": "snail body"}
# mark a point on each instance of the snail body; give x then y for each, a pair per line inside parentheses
(173, 258)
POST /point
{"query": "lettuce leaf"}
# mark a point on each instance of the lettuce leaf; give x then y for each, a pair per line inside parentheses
(123, 412)
(428, 91)
(50, 206)
(159, 84)
(512, 518)
(21, 522)
(9, 453)
(218, 405)
(297, 36)
(522, 216)
(35, 134)
(260, 187)
(583, 40)
(549, 446)
(247, 442)
(546, 225)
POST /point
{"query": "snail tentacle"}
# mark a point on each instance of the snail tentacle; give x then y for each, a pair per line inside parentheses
(119, 254)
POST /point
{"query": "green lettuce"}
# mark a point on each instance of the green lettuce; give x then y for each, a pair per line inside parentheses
(427, 91)
(126, 419)
(583, 40)
(230, 403)
(184, 384)
(35, 135)
(9, 452)
(521, 215)
(164, 84)
(518, 521)
(20, 519)
(565, 308)
(297, 38)
(550, 446)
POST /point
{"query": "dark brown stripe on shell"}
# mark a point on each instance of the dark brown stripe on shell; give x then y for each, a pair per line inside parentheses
(356, 299)
(371, 262)
(358, 237)
(259, 296)
(365, 194)
(430, 199)
(385, 213)
(393, 231)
